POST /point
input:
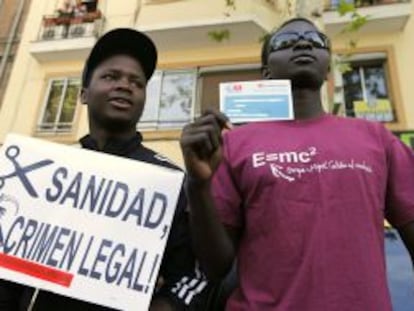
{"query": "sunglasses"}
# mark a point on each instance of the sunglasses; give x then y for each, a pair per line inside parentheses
(286, 40)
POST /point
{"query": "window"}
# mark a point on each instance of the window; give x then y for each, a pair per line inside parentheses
(60, 105)
(170, 100)
(366, 91)
(175, 97)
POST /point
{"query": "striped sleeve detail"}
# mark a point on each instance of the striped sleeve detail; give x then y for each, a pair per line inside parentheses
(188, 287)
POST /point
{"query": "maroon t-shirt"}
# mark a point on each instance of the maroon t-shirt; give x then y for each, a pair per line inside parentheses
(310, 198)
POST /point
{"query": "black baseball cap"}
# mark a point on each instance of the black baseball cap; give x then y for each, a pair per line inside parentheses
(122, 41)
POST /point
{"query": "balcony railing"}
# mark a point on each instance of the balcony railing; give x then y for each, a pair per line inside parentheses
(332, 5)
(56, 27)
(383, 16)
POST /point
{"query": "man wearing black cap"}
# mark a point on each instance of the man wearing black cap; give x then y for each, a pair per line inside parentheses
(114, 87)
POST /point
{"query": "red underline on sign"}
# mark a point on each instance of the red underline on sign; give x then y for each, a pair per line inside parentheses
(36, 270)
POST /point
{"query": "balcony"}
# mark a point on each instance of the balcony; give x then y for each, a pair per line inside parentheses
(176, 25)
(66, 37)
(383, 15)
(243, 30)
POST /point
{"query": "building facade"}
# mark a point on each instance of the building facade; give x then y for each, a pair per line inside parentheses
(200, 45)
(374, 83)
(12, 17)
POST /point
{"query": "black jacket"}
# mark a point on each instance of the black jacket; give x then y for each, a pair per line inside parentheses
(183, 282)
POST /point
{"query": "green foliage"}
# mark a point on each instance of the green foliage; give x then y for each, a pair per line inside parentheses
(357, 20)
(219, 35)
(345, 8)
(231, 4)
(341, 64)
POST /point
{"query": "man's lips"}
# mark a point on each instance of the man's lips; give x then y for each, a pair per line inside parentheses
(120, 102)
(303, 58)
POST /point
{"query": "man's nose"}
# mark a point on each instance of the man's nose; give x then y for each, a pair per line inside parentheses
(303, 44)
(123, 83)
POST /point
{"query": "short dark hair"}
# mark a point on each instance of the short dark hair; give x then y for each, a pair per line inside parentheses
(269, 36)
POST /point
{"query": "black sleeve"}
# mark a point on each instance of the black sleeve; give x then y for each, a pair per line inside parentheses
(184, 282)
(10, 295)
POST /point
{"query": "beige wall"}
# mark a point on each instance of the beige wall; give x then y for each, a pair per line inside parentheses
(24, 80)
(216, 55)
(27, 85)
(179, 11)
(26, 95)
(405, 66)
(169, 149)
(8, 13)
(200, 11)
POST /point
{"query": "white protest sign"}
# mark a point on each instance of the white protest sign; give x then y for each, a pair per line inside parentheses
(259, 100)
(83, 224)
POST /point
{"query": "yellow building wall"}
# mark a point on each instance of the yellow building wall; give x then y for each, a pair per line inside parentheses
(218, 55)
(405, 66)
(157, 13)
(25, 97)
(27, 87)
(170, 149)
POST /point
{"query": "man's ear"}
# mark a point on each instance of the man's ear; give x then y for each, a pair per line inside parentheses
(265, 72)
(83, 95)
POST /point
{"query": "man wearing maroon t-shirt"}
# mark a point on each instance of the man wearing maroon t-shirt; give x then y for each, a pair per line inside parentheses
(300, 203)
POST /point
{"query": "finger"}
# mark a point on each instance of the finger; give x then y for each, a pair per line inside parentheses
(208, 135)
(210, 124)
(197, 143)
(213, 135)
(221, 118)
(201, 138)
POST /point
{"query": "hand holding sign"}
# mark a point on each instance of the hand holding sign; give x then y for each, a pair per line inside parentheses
(83, 228)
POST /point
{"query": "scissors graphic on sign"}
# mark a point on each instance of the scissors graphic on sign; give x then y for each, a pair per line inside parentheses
(12, 152)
